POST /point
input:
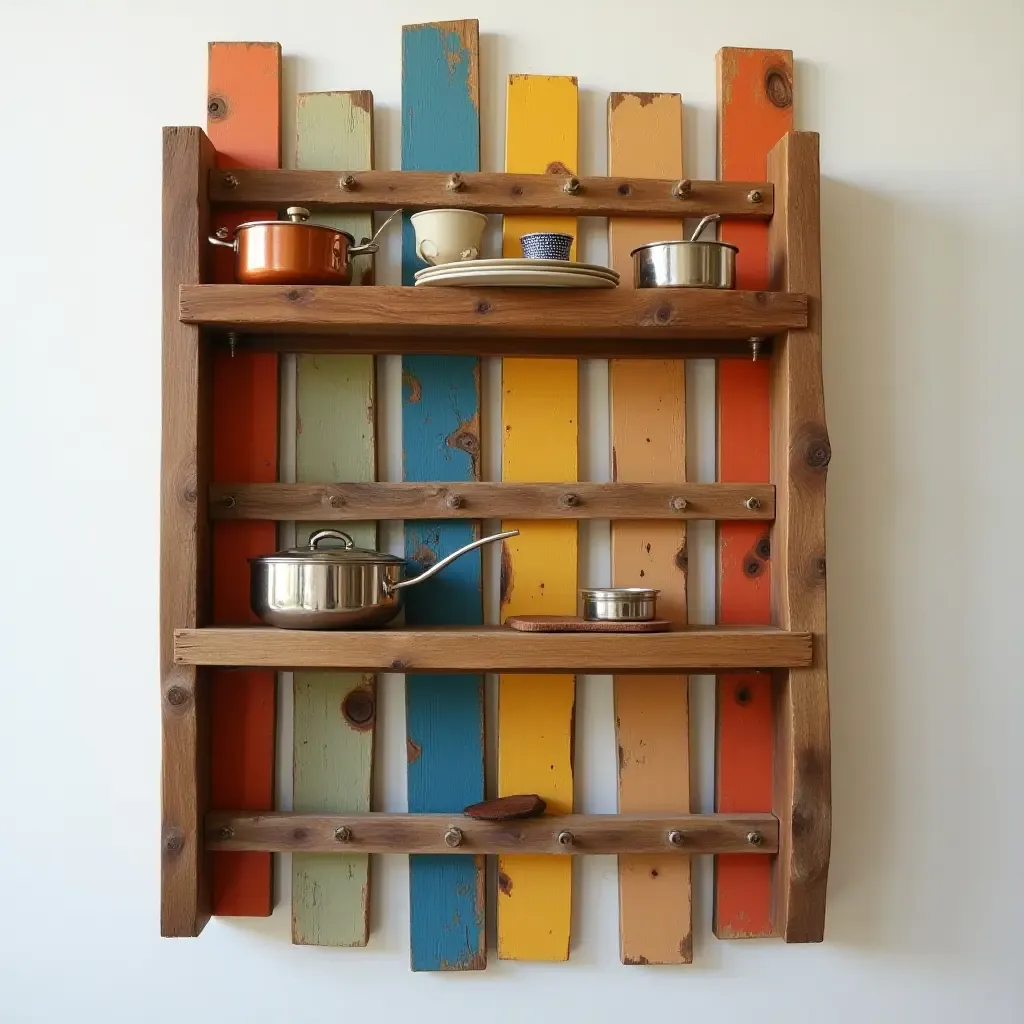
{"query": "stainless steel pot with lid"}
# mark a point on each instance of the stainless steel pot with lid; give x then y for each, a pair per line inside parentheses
(336, 587)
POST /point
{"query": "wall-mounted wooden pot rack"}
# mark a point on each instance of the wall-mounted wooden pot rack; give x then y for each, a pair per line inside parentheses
(198, 317)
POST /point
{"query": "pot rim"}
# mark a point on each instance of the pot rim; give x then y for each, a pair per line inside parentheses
(295, 224)
(679, 241)
(618, 592)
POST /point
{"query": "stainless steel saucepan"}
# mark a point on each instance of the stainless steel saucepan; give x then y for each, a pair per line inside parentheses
(692, 264)
(342, 587)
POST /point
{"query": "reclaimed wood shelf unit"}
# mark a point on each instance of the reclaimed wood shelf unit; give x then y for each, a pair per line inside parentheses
(199, 316)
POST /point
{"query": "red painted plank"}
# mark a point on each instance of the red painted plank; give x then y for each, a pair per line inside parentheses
(755, 109)
(244, 124)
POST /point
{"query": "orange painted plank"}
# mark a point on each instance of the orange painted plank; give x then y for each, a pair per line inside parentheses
(755, 109)
(648, 417)
(244, 124)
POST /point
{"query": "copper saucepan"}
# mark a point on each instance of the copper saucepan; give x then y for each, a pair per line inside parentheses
(293, 251)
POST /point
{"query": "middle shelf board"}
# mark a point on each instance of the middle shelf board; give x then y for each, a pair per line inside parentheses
(475, 500)
(519, 317)
(493, 649)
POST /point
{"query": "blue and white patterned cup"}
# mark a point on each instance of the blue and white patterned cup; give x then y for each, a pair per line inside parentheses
(546, 245)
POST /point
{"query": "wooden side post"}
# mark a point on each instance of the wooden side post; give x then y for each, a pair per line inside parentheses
(800, 458)
(755, 109)
(184, 538)
(334, 712)
(441, 441)
(648, 419)
(539, 569)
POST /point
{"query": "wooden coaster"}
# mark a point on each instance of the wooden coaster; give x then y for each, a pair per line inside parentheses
(507, 808)
(574, 624)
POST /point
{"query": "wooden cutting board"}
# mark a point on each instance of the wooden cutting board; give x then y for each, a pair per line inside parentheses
(574, 624)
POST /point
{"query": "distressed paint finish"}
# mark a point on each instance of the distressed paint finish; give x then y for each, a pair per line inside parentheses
(244, 124)
(755, 109)
(648, 418)
(441, 441)
(332, 748)
(539, 568)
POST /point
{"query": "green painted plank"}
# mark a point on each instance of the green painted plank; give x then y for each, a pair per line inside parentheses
(335, 441)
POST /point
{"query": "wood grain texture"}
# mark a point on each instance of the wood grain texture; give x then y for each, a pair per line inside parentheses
(425, 833)
(800, 457)
(474, 500)
(493, 649)
(540, 413)
(755, 109)
(184, 540)
(332, 748)
(525, 314)
(648, 417)
(535, 194)
(644, 345)
(441, 441)
(244, 124)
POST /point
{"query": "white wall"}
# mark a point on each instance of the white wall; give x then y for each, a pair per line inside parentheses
(919, 103)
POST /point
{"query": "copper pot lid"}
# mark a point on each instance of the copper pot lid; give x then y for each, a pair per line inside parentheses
(296, 215)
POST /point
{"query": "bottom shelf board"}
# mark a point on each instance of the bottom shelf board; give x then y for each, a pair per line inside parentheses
(493, 649)
(554, 834)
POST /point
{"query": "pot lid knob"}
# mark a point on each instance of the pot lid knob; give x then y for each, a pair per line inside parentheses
(347, 542)
(297, 214)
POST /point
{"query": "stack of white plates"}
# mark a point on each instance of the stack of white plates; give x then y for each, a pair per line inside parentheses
(518, 273)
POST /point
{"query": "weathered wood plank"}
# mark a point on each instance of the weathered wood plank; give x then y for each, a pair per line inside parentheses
(425, 833)
(800, 457)
(184, 540)
(539, 435)
(535, 194)
(441, 441)
(755, 108)
(495, 648)
(648, 418)
(334, 713)
(244, 124)
(440, 316)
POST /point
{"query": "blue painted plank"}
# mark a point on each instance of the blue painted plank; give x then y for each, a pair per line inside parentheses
(441, 441)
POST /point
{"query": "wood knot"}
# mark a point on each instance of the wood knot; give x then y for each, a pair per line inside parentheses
(293, 295)
(174, 841)
(300, 834)
(819, 454)
(760, 297)
(743, 695)
(467, 441)
(483, 307)
(663, 314)
(217, 108)
(778, 88)
(764, 548)
(752, 566)
(820, 567)
(398, 665)
(625, 189)
(177, 696)
(359, 709)
(517, 190)
(682, 559)
(191, 495)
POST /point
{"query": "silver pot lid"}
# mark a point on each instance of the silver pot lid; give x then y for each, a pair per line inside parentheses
(346, 553)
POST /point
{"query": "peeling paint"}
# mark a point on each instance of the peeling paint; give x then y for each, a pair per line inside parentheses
(415, 389)
(412, 751)
(504, 884)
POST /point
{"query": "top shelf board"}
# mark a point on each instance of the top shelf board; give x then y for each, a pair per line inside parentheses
(493, 193)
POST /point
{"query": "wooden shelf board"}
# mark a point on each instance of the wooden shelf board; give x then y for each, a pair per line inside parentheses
(424, 833)
(473, 500)
(492, 649)
(526, 315)
(598, 196)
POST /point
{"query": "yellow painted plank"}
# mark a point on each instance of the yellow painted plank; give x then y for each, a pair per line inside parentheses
(539, 568)
(648, 416)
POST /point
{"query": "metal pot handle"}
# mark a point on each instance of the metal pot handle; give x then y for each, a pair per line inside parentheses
(371, 247)
(711, 218)
(314, 540)
(219, 239)
(390, 588)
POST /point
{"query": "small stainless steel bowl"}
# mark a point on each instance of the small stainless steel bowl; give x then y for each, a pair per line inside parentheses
(620, 604)
(692, 264)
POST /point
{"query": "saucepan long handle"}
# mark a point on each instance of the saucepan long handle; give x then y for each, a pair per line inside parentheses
(438, 566)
